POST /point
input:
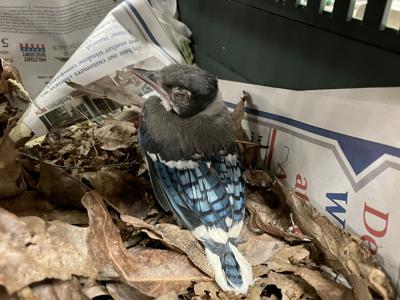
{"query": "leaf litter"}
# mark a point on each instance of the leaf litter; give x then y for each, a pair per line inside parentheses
(78, 220)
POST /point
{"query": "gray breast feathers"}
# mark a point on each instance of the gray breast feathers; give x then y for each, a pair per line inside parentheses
(175, 138)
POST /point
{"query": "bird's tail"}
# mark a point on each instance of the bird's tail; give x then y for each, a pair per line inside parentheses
(232, 271)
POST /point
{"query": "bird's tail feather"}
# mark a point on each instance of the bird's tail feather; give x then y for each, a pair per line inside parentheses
(232, 271)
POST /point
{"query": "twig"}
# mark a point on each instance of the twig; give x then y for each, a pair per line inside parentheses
(134, 239)
(251, 144)
(93, 144)
(75, 167)
(157, 218)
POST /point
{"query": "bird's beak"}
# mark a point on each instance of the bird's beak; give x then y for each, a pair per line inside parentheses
(150, 77)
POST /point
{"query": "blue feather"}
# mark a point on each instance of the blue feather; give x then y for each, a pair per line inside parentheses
(204, 190)
(206, 195)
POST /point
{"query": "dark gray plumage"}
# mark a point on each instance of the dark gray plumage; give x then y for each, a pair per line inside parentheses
(187, 138)
(177, 138)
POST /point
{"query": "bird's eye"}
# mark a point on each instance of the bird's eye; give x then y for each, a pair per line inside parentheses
(181, 94)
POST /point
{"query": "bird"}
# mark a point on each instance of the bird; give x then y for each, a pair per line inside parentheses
(186, 136)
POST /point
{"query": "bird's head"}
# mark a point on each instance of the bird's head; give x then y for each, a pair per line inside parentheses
(186, 90)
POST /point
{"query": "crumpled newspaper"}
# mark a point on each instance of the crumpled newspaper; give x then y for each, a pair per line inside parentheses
(134, 35)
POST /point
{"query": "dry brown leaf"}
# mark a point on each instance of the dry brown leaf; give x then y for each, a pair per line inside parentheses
(284, 287)
(122, 291)
(249, 153)
(290, 289)
(325, 288)
(7, 71)
(4, 114)
(26, 294)
(342, 251)
(175, 238)
(31, 204)
(237, 118)
(25, 204)
(58, 290)
(11, 183)
(272, 221)
(153, 272)
(207, 288)
(258, 249)
(257, 178)
(8, 113)
(260, 291)
(211, 291)
(78, 149)
(172, 295)
(5, 296)
(39, 251)
(93, 290)
(59, 187)
(260, 270)
(115, 135)
(256, 290)
(290, 259)
(285, 258)
(121, 191)
(162, 271)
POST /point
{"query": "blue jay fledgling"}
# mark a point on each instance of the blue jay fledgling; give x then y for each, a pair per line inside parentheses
(187, 138)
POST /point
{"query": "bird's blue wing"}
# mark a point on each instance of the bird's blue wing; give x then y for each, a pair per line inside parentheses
(207, 192)
(162, 198)
(230, 172)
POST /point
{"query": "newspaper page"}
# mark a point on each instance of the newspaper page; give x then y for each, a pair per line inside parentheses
(130, 36)
(39, 36)
(337, 149)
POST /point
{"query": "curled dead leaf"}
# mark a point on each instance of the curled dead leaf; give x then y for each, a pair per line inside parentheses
(93, 290)
(237, 118)
(30, 203)
(123, 291)
(122, 191)
(210, 289)
(294, 259)
(115, 135)
(39, 251)
(175, 238)
(58, 290)
(257, 178)
(7, 71)
(151, 271)
(282, 260)
(326, 289)
(172, 295)
(4, 114)
(260, 270)
(11, 183)
(342, 251)
(290, 288)
(249, 152)
(79, 149)
(59, 187)
(259, 248)
(272, 221)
